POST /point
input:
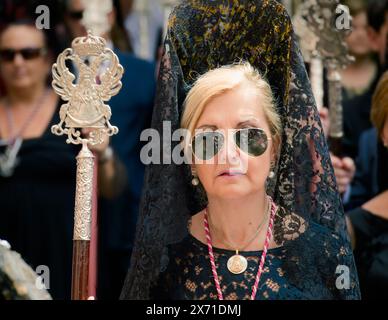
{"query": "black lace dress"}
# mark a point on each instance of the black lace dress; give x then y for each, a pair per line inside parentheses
(189, 275)
(37, 207)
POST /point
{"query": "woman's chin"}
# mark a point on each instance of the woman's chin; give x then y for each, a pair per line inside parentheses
(21, 83)
(233, 191)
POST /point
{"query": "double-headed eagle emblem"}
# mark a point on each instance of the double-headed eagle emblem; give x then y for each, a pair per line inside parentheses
(98, 79)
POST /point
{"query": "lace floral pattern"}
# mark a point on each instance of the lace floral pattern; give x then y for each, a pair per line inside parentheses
(189, 275)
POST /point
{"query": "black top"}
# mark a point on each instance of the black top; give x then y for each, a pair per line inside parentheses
(371, 253)
(37, 206)
(356, 115)
(188, 275)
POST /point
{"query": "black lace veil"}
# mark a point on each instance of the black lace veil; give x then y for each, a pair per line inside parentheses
(203, 35)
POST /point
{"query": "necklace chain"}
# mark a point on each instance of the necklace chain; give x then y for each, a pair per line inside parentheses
(9, 159)
(262, 259)
(251, 239)
(11, 122)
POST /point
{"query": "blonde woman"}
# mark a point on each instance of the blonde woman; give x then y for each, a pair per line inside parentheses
(234, 136)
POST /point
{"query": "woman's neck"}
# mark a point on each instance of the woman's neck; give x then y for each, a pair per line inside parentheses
(362, 60)
(360, 73)
(236, 221)
(363, 63)
(24, 98)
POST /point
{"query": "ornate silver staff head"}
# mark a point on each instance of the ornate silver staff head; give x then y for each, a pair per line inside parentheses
(96, 84)
(307, 38)
(321, 16)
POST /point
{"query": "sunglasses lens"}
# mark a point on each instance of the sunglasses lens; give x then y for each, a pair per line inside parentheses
(31, 53)
(27, 53)
(206, 145)
(252, 141)
(7, 55)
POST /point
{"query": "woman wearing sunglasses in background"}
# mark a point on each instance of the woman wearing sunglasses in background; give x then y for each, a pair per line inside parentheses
(37, 168)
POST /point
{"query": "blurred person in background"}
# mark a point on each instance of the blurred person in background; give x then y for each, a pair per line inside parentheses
(359, 79)
(148, 24)
(359, 76)
(365, 183)
(357, 110)
(368, 224)
(12, 10)
(117, 37)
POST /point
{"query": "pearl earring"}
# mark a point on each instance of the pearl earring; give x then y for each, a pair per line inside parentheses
(272, 173)
(195, 181)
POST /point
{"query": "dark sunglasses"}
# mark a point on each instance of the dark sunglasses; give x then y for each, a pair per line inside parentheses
(8, 55)
(76, 15)
(253, 141)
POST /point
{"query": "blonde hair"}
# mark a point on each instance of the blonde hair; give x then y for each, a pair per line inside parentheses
(221, 80)
(379, 110)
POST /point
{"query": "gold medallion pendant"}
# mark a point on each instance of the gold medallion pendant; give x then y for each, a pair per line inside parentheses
(237, 264)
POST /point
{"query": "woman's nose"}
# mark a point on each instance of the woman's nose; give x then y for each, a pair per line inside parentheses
(229, 153)
(18, 59)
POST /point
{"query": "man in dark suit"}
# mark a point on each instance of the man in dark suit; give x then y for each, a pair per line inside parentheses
(131, 113)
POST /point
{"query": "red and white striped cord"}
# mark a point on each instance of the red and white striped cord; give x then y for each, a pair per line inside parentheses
(265, 249)
(211, 255)
(263, 255)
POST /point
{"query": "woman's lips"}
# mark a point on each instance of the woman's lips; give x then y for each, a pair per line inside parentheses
(230, 173)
